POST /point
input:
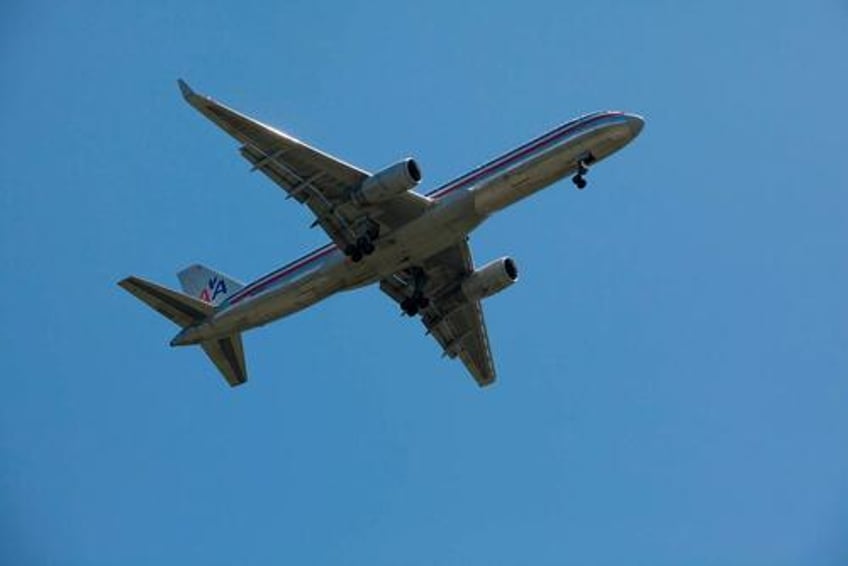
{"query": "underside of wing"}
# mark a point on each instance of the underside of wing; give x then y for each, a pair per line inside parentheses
(179, 308)
(269, 141)
(455, 322)
(320, 181)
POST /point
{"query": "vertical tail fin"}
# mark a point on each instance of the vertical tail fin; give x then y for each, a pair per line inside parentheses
(207, 285)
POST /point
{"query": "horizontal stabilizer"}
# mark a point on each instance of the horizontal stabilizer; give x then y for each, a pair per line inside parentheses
(225, 352)
(179, 308)
(228, 356)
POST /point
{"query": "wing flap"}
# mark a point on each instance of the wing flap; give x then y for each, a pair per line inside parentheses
(463, 334)
(310, 176)
(456, 323)
(272, 142)
(266, 148)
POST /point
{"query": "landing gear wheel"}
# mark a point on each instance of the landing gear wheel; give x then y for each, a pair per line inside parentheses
(579, 181)
(416, 302)
(365, 245)
(373, 232)
(354, 253)
(409, 306)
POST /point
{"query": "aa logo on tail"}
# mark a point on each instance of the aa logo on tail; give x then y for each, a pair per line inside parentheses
(214, 287)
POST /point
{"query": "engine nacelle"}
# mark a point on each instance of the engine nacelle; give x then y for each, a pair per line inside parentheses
(492, 278)
(388, 183)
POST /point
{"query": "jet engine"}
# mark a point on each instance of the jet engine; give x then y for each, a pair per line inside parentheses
(492, 278)
(390, 182)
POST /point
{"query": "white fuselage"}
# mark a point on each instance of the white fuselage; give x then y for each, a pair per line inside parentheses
(457, 208)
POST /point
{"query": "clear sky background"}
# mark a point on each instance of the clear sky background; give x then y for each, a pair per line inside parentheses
(673, 365)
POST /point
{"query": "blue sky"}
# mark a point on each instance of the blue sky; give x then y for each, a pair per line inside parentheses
(672, 365)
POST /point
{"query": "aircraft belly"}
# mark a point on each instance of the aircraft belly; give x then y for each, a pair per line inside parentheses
(543, 169)
(282, 301)
(445, 224)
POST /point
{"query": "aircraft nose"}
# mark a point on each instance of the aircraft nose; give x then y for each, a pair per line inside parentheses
(636, 123)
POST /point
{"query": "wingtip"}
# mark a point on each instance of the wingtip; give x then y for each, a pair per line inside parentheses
(185, 89)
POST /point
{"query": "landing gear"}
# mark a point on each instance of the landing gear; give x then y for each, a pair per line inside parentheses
(413, 305)
(364, 244)
(579, 179)
(417, 302)
(579, 182)
(354, 253)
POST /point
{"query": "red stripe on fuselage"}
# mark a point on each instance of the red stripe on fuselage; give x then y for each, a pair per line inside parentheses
(518, 153)
(458, 183)
(262, 283)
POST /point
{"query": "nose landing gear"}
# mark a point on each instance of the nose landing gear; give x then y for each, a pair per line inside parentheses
(579, 178)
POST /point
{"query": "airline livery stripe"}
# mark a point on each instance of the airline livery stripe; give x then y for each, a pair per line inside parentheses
(275, 276)
(509, 158)
(467, 179)
(296, 263)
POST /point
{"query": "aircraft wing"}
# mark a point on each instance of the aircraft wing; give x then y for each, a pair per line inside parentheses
(456, 323)
(318, 180)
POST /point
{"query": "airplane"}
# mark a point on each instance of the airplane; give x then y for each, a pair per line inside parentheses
(415, 246)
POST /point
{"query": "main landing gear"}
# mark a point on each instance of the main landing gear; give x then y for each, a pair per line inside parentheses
(364, 245)
(417, 302)
(413, 305)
